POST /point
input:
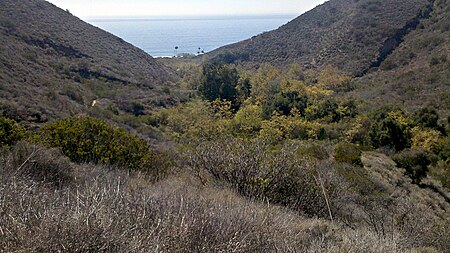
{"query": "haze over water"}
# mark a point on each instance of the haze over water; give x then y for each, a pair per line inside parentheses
(160, 36)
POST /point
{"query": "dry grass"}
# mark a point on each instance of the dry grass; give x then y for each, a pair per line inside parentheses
(102, 209)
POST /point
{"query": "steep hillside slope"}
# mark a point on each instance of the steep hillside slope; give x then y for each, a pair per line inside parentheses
(53, 64)
(417, 72)
(352, 35)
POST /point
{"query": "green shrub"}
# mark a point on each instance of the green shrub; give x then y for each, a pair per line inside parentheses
(443, 148)
(359, 179)
(284, 102)
(138, 108)
(10, 132)
(428, 118)
(133, 107)
(415, 162)
(390, 129)
(73, 94)
(348, 153)
(93, 140)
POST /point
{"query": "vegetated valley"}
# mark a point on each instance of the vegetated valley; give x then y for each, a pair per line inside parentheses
(329, 134)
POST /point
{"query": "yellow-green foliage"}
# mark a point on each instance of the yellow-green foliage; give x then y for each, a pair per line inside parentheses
(312, 92)
(273, 129)
(248, 120)
(10, 132)
(425, 138)
(292, 85)
(222, 108)
(401, 119)
(92, 140)
(263, 82)
(359, 131)
(183, 118)
(195, 119)
(330, 78)
(290, 127)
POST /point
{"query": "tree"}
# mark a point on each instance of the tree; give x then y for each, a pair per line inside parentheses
(428, 118)
(284, 102)
(391, 129)
(219, 82)
(248, 120)
(265, 82)
(415, 162)
(244, 88)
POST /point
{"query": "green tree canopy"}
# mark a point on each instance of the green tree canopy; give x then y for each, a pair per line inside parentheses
(391, 129)
(219, 82)
(10, 132)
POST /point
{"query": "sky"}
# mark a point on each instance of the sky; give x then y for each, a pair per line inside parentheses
(147, 8)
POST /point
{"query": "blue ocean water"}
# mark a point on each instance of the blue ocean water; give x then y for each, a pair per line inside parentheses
(160, 36)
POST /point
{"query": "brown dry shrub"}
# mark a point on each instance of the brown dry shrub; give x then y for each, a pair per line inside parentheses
(37, 163)
(280, 175)
(106, 209)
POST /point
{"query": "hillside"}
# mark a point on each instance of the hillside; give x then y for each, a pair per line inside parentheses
(417, 73)
(348, 34)
(292, 149)
(53, 64)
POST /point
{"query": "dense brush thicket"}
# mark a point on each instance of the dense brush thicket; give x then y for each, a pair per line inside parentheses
(102, 209)
(244, 192)
(293, 105)
(281, 176)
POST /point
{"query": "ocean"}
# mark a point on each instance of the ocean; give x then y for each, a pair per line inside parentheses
(160, 36)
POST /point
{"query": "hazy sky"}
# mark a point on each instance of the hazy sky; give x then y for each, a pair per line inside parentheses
(105, 8)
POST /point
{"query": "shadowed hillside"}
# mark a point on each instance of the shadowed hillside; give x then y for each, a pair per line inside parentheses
(53, 64)
(351, 35)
